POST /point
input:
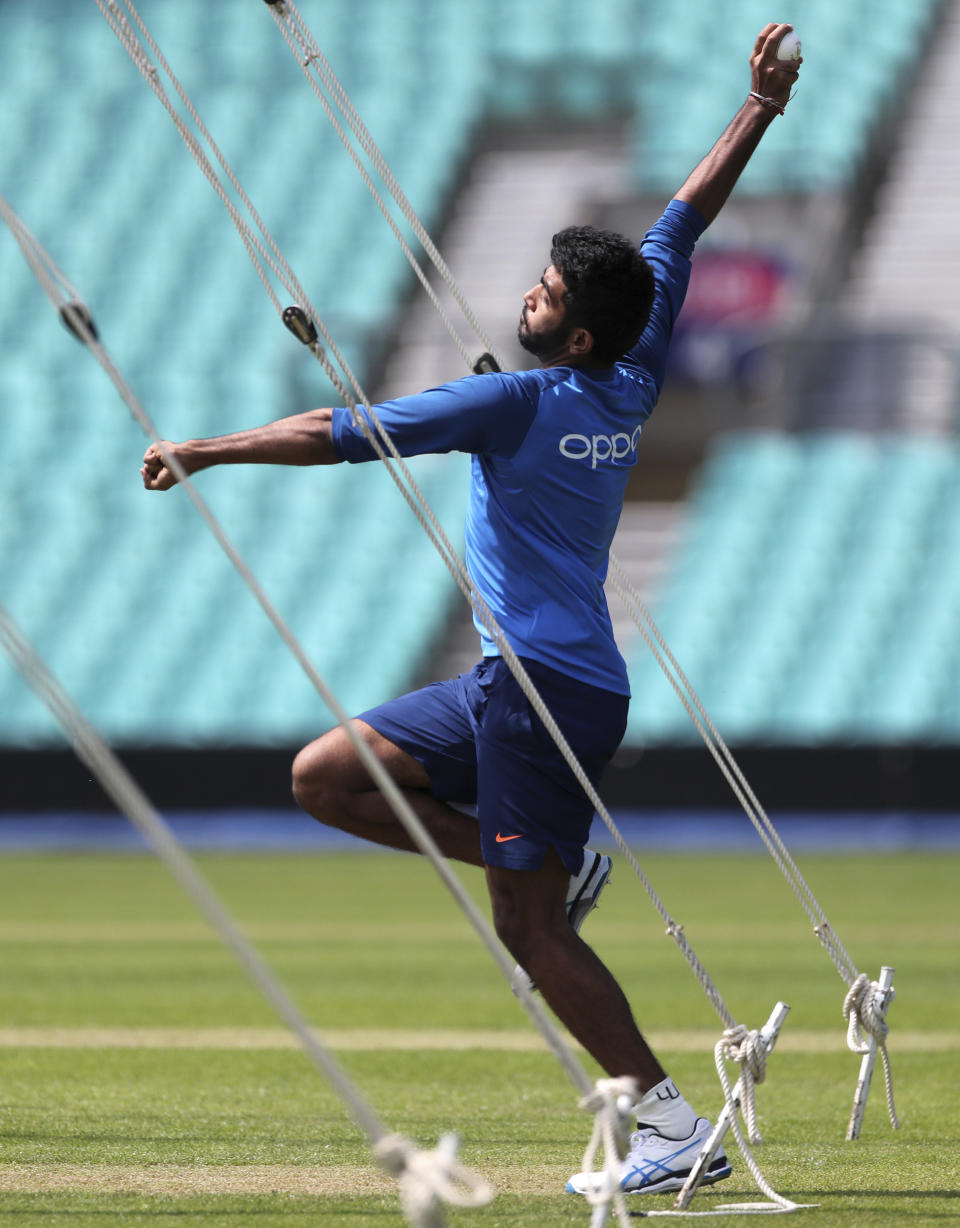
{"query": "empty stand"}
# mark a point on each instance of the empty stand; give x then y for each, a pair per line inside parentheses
(812, 598)
(135, 609)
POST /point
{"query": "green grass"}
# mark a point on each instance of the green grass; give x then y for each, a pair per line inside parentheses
(374, 942)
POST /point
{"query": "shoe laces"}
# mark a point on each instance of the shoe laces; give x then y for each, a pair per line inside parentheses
(648, 1136)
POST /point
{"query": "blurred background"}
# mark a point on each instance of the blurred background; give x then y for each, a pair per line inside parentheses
(794, 518)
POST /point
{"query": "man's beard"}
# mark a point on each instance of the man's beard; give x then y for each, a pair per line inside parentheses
(541, 345)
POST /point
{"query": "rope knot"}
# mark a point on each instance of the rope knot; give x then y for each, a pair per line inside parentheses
(612, 1103)
(431, 1179)
(863, 1008)
(749, 1050)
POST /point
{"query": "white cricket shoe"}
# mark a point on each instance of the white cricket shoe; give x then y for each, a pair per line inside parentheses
(656, 1165)
(582, 896)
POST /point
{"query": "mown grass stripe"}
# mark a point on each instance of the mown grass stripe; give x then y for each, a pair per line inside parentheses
(413, 1039)
(181, 1180)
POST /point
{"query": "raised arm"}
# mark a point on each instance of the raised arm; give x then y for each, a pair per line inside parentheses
(303, 439)
(709, 185)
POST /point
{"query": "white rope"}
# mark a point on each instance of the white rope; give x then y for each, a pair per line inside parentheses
(309, 56)
(459, 571)
(428, 1180)
(53, 281)
(304, 47)
(382, 445)
(431, 1180)
(731, 770)
(399, 803)
(612, 1103)
(738, 1208)
(864, 1009)
(454, 563)
(748, 1049)
(261, 250)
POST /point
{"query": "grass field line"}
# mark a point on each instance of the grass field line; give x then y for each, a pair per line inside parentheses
(413, 1039)
(409, 932)
(179, 1180)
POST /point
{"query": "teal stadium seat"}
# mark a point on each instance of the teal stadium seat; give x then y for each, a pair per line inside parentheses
(835, 617)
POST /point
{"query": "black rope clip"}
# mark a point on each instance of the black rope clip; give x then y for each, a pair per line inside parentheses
(300, 324)
(486, 364)
(77, 319)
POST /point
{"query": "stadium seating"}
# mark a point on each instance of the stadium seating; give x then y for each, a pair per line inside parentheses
(813, 598)
(113, 584)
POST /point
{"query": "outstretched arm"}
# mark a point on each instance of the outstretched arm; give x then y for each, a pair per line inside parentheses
(304, 439)
(709, 185)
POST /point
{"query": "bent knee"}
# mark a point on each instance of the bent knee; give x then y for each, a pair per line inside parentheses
(316, 778)
(331, 769)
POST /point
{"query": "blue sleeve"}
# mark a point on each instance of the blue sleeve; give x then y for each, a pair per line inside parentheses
(667, 248)
(481, 413)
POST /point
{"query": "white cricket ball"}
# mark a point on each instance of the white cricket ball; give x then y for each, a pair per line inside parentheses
(790, 48)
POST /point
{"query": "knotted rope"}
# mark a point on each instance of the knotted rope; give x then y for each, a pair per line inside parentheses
(386, 450)
(749, 1051)
(95, 752)
(382, 444)
(312, 61)
(431, 1180)
(864, 1009)
(612, 1102)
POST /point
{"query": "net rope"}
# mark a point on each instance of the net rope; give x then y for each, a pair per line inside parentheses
(731, 771)
(429, 1180)
(111, 12)
(380, 441)
(433, 1179)
(312, 61)
(383, 444)
(304, 47)
(748, 1050)
(399, 803)
(611, 1102)
(309, 55)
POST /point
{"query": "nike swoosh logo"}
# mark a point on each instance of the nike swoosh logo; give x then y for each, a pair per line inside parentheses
(504, 839)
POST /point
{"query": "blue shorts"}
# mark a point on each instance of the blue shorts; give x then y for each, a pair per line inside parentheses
(480, 742)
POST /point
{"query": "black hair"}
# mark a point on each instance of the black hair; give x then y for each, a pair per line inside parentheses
(609, 287)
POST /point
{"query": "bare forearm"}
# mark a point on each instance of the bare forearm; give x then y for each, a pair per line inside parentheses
(711, 182)
(771, 80)
(304, 439)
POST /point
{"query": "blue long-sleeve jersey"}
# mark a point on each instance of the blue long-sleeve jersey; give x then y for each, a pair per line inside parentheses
(552, 450)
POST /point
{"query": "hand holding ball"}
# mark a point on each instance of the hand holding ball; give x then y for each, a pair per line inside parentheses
(789, 48)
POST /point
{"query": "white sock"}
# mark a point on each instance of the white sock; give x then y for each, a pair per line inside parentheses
(666, 1110)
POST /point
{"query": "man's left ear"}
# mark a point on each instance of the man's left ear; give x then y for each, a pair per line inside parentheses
(581, 342)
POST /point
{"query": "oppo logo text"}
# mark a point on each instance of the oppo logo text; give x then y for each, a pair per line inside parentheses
(600, 447)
